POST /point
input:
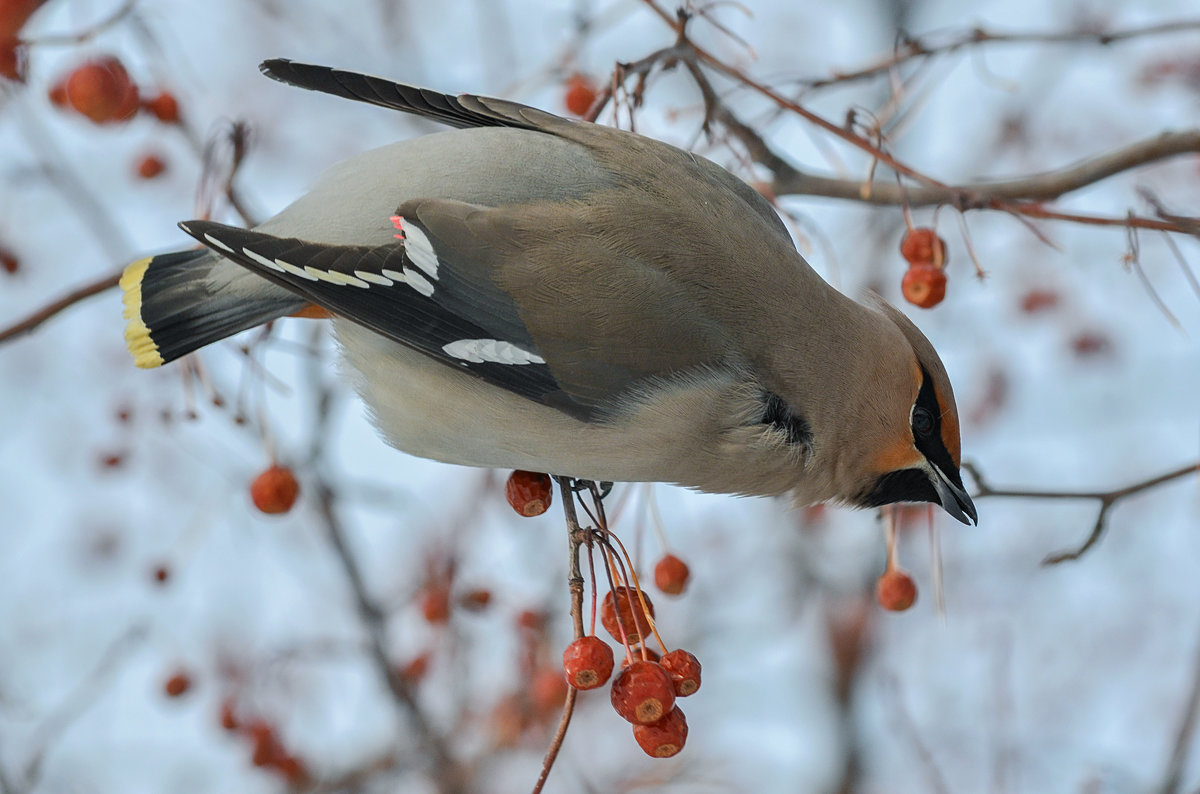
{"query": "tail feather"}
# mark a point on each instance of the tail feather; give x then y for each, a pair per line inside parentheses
(179, 302)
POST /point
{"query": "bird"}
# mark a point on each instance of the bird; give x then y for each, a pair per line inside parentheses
(527, 291)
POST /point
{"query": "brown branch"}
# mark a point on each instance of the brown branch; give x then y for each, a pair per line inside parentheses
(1183, 737)
(1045, 186)
(65, 302)
(921, 47)
(78, 701)
(1107, 500)
(448, 775)
(88, 33)
(567, 489)
(905, 725)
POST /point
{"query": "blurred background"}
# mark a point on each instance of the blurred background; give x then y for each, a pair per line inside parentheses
(146, 606)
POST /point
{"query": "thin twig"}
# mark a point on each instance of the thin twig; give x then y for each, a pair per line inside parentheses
(908, 728)
(448, 776)
(575, 538)
(1106, 499)
(922, 47)
(79, 699)
(88, 33)
(1183, 737)
(65, 302)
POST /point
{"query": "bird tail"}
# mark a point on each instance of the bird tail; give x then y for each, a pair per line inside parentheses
(179, 302)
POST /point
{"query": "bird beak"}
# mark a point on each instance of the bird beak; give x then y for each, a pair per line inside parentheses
(954, 499)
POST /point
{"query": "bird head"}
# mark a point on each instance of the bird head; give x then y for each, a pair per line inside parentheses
(916, 451)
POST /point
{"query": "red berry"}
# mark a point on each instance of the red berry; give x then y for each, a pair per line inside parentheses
(275, 490)
(229, 720)
(924, 285)
(581, 93)
(529, 492)
(671, 575)
(101, 90)
(161, 574)
(417, 667)
(921, 246)
(532, 620)
(177, 684)
(547, 691)
(684, 669)
(643, 693)
(664, 738)
(1039, 300)
(895, 590)
(475, 600)
(435, 603)
(291, 768)
(625, 610)
(8, 261)
(13, 14)
(588, 662)
(14, 59)
(150, 166)
(163, 107)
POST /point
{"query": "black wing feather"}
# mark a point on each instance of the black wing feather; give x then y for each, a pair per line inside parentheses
(456, 111)
(398, 311)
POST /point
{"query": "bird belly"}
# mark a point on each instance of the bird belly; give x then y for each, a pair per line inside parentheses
(703, 431)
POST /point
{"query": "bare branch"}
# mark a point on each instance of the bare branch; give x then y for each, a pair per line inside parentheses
(924, 46)
(65, 302)
(1106, 499)
(1183, 737)
(78, 701)
(576, 536)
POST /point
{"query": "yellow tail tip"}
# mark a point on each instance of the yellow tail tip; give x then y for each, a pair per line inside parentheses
(137, 335)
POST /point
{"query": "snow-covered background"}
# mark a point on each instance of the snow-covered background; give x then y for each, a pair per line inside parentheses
(1065, 678)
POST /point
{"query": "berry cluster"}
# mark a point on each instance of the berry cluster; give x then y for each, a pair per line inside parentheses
(924, 283)
(645, 690)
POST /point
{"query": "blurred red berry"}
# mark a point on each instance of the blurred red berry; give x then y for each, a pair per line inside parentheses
(228, 715)
(684, 669)
(921, 246)
(896, 590)
(275, 490)
(1091, 343)
(435, 603)
(532, 620)
(671, 575)
(161, 574)
(8, 261)
(924, 285)
(14, 59)
(1039, 300)
(150, 166)
(664, 738)
(163, 107)
(547, 691)
(529, 492)
(475, 600)
(581, 93)
(588, 662)
(416, 668)
(643, 693)
(624, 609)
(14, 13)
(101, 90)
(177, 684)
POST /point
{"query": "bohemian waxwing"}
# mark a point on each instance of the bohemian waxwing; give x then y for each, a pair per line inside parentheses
(537, 293)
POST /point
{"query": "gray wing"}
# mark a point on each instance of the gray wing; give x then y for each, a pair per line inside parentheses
(476, 289)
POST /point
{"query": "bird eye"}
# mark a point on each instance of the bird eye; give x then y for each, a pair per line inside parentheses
(922, 421)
